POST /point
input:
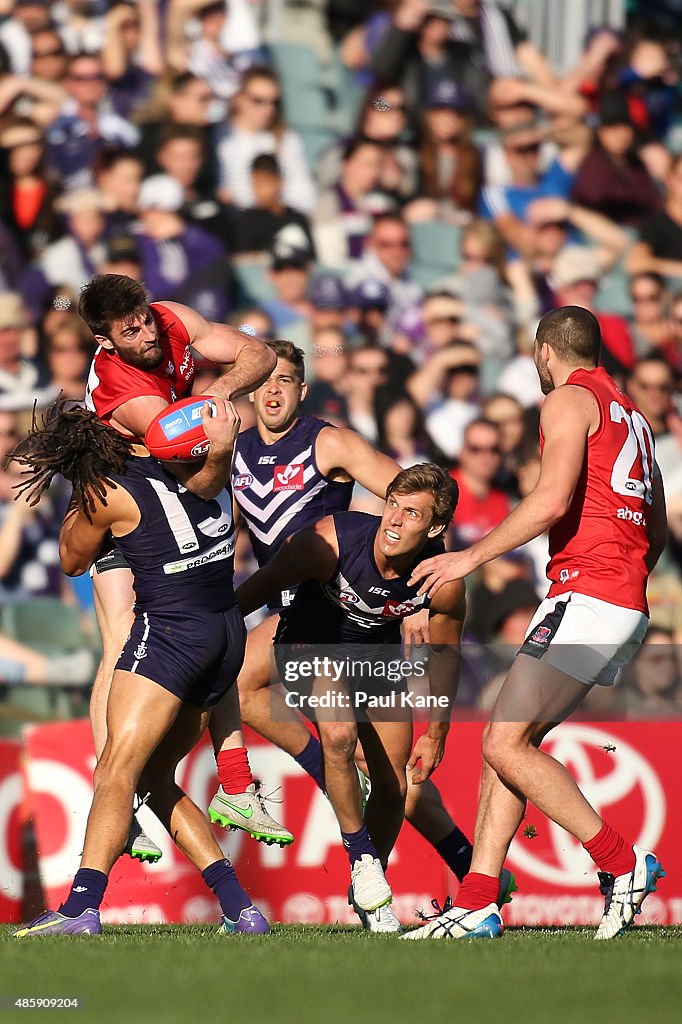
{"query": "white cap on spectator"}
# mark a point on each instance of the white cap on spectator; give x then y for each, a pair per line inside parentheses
(160, 192)
(574, 263)
(79, 200)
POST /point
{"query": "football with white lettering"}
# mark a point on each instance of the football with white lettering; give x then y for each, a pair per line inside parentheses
(177, 432)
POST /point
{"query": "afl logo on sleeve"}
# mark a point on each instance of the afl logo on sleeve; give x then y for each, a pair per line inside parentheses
(289, 478)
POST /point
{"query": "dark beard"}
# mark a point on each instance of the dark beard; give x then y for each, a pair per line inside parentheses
(149, 360)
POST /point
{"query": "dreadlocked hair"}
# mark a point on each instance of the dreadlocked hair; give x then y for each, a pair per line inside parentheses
(76, 444)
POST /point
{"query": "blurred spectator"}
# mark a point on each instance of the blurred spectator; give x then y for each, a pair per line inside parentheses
(27, 190)
(507, 206)
(327, 369)
(402, 432)
(368, 370)
(18, 375)
(343, 216)
(651, 326)
(256, 126)
(575, 276)
(197, 42)
(329, 303)
(132, 57)
(180, 156)
(613, 179)
(450, 164)
(382, 119)
(471, 40)
(86, 123)
(184, 100)
(118, 175)
(76, 256)
(48, 57)
(507, 413)
(650, 385)
(369, 303)
(659, 248)
(672, 350)
(289, 274)
(482, 505)
(179, 261)
(81, 24)
(67, 354)
(537, 549)
(552, 224)
(386, 257)
(254, 230)
(122, 256)
(650, 83)
(652, 685)
(445, 387)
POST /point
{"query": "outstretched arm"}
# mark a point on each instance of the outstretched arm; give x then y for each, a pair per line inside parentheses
(339, 448)
(568, 415)
(310, 554)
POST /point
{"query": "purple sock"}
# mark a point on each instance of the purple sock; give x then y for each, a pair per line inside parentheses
(456, 851)
(87, 892)
(357, 843)
(310, 760)
(220, 877)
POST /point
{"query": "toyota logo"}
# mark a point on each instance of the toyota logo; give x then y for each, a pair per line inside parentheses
(582, 749)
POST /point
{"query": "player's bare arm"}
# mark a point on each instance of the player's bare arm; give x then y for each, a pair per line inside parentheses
(310, 554)
(656, 521)
(446, 621)
(342, 454)
(569, 416)
(83, 533)
(251, 360)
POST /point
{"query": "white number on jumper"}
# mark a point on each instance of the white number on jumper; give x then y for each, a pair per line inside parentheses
(635, 445)
(180, 523)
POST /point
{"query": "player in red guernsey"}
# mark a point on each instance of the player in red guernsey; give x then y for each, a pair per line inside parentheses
(143, 363)
(601, 497)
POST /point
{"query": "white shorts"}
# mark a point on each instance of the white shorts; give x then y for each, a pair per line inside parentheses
(587, 639)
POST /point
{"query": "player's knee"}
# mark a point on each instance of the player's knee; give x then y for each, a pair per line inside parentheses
(495, 748)
(114, 770)
(392, 788)
(339, 741)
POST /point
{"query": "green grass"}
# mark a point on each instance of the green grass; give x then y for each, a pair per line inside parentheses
(305, 975)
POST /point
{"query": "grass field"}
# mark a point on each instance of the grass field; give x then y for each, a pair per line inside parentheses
(305, 975)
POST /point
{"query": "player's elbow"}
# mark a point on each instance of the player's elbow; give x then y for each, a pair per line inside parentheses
(553, 507)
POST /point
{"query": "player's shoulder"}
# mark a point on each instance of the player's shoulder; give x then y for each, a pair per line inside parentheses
(450, 599)
(566, 400)
(355, 524)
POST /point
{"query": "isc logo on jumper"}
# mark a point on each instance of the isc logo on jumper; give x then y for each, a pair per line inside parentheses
(289, 478)
(242, 481)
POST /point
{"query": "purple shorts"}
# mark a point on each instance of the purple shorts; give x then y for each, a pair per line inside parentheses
(196, 657)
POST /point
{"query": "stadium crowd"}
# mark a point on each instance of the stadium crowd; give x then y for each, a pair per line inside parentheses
(401, 189)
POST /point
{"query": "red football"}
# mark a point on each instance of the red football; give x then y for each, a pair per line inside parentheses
(177, 433)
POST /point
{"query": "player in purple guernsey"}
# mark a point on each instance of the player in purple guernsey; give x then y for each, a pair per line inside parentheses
(353, 570)
(332, 459)
(183, 653)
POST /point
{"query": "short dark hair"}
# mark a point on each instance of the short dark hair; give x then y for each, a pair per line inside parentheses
(109, 156)
(573, 332)
(294, 355)
(356, 143)
(648, 275)
(108, 298)
(653, 358)
(173, 132)
(266, 163)
(426, 476)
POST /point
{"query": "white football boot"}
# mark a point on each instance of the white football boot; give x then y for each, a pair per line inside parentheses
(625, 893)
(381, 920)
(458, 923)
(370, 888)
(247, 811)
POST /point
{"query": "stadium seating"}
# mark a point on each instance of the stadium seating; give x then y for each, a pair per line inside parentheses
(44, 624)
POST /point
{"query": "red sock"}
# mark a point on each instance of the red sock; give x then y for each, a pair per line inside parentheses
(610, 852)
(234, 773)
(477, 891)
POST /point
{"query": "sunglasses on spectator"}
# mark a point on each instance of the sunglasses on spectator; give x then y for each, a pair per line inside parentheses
(263, 101)
(95, 77)
(475, 257)
(435, 320)
(531, 147)
(479, 449)
(651, 297)
(647, 385)
(395, 243)
(57, 52)
(366, 370)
